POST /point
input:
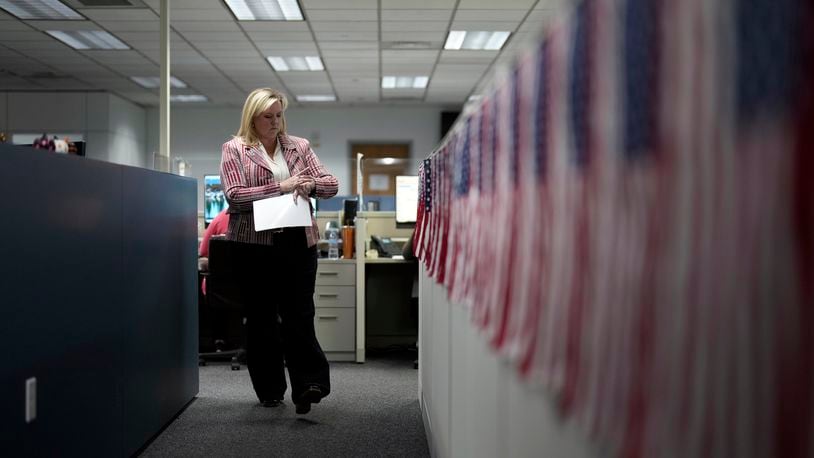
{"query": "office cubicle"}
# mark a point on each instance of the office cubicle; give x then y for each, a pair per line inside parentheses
(98, 272)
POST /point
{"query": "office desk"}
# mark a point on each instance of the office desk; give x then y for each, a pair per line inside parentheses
(362, 293)
(391, 312)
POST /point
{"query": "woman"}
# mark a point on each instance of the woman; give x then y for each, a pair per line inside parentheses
(277, 267)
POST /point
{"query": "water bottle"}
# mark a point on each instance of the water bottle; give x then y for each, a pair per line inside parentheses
(333, 244)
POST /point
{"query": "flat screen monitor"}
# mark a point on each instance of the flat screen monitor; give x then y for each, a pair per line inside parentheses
(349, 208)
(406, 200)
(214, 199)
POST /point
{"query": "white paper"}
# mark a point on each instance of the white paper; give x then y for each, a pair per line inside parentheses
(281, 211)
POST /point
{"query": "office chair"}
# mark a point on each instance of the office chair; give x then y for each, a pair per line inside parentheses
(221, 312)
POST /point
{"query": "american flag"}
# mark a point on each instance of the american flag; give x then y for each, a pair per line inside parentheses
(630, 216)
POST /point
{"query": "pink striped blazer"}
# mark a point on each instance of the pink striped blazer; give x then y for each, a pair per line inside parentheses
(246, 177)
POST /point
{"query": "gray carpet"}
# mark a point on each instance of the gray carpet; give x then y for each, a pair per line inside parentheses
(372, 411)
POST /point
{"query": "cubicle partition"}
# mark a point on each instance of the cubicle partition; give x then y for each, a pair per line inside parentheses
(98, 275)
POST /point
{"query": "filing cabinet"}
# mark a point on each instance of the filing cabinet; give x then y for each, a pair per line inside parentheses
(335, 312)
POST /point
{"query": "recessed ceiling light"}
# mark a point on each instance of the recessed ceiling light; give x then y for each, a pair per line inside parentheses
(265, 10)
(316, 98)
(87, 39)
(39, 9)
(188, 98)
(490, 41)
(405, 82)
(285, 64)
(152, 82)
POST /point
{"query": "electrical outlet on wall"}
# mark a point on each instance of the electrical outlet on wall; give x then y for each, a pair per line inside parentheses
(30, 399)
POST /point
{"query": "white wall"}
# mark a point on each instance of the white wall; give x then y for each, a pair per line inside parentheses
(114, 129)
(198, 133)
(473, 404)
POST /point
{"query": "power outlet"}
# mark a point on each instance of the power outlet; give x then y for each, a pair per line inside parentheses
(30, 399)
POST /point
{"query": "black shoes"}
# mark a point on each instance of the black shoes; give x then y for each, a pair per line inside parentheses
(272, 403)
(312, 395)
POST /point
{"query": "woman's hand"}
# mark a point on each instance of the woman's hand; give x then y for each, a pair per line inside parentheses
(292, 183)
(305, 187)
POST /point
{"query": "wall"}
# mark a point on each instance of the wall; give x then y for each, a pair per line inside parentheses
(115, 130)
(198, 133)
(472, 403)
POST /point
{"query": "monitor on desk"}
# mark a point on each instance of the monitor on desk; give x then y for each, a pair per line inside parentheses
(214, 198)
(406, 200)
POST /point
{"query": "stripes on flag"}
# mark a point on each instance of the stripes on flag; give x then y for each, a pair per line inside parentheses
(627, 214)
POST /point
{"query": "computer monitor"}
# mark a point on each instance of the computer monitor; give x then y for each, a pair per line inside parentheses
(406, 200)
(214, 199)
(350, 207)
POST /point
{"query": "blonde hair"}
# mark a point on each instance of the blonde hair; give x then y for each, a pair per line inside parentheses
(257, 102)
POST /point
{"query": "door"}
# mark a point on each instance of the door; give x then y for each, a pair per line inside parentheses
(381, 164)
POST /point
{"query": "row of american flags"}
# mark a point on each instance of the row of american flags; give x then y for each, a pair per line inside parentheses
(628, 215)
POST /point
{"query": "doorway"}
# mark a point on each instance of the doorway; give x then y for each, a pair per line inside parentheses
(381, 164)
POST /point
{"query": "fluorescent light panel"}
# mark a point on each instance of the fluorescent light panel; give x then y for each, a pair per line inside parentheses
(405, 82)
(316, 98)
(477, 40)
(188, 98)
(39, 9)
(152, 82)
(285, 64)
(265, 10)
(88, 39)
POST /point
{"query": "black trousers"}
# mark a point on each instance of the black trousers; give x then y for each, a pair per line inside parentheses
(277, 289)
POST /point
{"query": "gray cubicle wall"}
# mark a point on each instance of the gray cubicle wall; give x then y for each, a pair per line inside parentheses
(98, 302)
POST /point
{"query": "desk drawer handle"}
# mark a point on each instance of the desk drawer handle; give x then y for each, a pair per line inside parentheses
(329, 273)
(329, 295)
(328, 317)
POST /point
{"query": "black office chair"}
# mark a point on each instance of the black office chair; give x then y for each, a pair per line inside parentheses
(221, 324)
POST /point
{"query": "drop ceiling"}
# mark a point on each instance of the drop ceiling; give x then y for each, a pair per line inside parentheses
(359, 42)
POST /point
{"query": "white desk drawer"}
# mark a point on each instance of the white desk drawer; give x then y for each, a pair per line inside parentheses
(335, 296)
(336, 274)
(336, 328)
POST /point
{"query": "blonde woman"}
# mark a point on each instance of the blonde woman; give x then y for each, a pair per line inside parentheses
(276, 268)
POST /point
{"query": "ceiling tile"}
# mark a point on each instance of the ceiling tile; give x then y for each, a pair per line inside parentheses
(120, 14)
(338, 4)
(508, 26)
(416, 15)
(205, 26)
(407, 69)
(347, 36)
(133, 26)
(270, 35)
(345, 26)
(349, 45)
(275, 26)
(303, 77)
(343, 15)
(287, 48)
(467, 57)
(414, 4)
(492, 4)
(234, 53)
(200, 15)
(490, 15)
(433, 37)
(8, 36)
(409, 55)
(407, 26)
